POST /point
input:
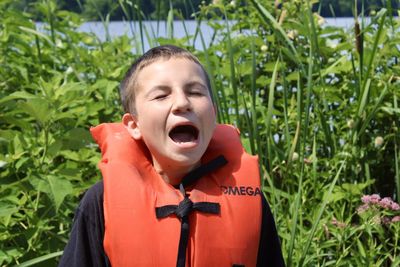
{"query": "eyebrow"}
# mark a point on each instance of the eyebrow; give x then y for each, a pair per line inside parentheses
(195, 83)
(157, 88)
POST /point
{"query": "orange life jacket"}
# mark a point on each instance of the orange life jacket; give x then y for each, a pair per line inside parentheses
(134, 236)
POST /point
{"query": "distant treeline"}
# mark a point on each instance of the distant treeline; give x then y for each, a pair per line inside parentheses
(184, 9)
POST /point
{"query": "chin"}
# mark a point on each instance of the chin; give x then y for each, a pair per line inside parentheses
(185, 161)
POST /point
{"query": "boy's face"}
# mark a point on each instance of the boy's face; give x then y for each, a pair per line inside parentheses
(175, 116)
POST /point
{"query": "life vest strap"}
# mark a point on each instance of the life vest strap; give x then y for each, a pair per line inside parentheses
(182, 211)
(204, 169)
(186, 206)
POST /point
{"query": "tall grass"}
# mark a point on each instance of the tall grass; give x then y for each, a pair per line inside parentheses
(318, 104)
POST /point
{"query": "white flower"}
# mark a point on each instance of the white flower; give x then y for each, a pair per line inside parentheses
(350, 123)
(59, 43)
(331, 43)
(320, 20)
(292, 34)
(295, 156)
(378, 141)
(264, 48)
(69, 70)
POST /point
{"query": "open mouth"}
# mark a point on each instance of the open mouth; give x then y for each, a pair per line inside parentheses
(184, 134)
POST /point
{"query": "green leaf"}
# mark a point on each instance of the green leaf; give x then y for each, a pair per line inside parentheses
(7, 209)
(390, 110)
(38, 108)
(37, 33)
(76, 138)
(56, 187)
(17, 95)
(361, 248)
(59, 188)
(40, 259)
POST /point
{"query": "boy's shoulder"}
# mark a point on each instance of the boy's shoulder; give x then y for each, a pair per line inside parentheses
(94, 193)
(92, 201)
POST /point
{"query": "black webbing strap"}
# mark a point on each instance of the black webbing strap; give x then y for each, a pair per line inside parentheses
(206, 207)
(186, 206)
(199, 172)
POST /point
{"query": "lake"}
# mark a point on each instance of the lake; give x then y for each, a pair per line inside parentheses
(179, 29)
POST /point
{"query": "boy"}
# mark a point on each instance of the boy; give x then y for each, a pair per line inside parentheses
(179, 190)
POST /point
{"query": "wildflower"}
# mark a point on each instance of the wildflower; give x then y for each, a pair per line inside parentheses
(395, 219)
(292, 34)
(378, 141)
(385, 220)
(2, 163)
(362, 208)
(371, 199)
(69, 70)
(295, 156)
(337, 223)
(395, 206)
(320, 20)
(374, 199)
(377, 219)
(386, 203)
(59, 43)
(365, 199)
(350, 124)
(232, 4)
(264, 48)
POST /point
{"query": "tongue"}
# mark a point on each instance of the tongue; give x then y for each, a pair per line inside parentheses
(182, 137)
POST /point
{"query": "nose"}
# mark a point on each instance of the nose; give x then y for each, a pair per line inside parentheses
(181, 102)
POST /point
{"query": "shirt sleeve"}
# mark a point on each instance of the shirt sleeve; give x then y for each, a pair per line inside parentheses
(85, 245)
(269, 251)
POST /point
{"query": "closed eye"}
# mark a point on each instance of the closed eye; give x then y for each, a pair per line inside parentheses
(160, 97)
(196, 93)
(196, 89)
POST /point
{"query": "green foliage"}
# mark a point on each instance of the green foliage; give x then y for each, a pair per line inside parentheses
(55, 84)
(318, 104)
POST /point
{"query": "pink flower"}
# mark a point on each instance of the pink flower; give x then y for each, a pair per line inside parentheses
(395, 206)
(374, 199)
(396, 219)
(365, 199)
(371, 199)
(362, 208)
(386, 203)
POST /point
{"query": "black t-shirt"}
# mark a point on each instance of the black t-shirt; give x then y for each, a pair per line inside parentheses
(85, 246)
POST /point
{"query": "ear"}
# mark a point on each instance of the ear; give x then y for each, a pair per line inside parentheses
(131, 124)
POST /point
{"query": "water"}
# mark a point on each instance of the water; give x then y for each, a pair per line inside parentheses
(151, 29)
(179, 29)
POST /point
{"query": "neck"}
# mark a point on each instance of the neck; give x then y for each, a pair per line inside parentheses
(172, 174)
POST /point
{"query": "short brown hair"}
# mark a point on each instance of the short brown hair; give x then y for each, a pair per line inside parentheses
(128, 84)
